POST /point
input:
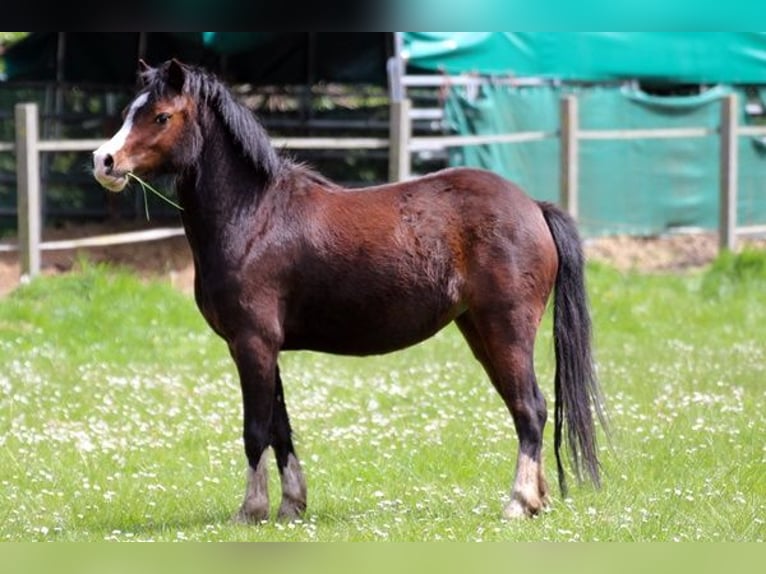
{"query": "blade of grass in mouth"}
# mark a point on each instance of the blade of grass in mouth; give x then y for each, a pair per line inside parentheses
(144, 186)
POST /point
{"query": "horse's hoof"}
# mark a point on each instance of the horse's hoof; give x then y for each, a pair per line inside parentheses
(515, 511)
(291, 510)
(519, 508)
(251, 515)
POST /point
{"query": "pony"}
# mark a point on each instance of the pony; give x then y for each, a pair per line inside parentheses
(287, 260)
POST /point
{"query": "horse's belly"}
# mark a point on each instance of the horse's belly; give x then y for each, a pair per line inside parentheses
(377, 329)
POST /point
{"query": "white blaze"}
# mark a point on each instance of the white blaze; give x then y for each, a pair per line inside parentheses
(118, 140)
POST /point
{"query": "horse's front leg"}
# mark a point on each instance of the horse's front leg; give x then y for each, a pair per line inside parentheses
(256, 360)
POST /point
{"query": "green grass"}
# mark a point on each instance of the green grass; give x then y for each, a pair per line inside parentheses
(120, 416)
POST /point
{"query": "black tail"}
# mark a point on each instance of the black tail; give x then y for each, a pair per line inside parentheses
(576, 387)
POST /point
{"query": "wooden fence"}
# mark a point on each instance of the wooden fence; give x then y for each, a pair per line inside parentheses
(28, 147)
(570, 134)
(401, 144)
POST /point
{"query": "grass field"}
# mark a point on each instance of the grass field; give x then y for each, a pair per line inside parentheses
(120, 416)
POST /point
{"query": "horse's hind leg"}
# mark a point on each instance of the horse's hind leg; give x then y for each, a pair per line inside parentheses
(504, 343)
(293, 502)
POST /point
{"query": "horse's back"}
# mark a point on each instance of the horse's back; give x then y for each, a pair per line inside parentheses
(449, 199)
(487, 219)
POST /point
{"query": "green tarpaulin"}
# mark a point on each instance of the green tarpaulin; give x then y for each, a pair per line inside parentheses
(625, 186)
(678, 57)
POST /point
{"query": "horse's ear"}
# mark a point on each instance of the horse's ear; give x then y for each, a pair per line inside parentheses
(144, 71)
(176, 75)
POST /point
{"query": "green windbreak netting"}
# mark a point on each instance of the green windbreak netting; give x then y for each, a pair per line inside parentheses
(680, 57)
(642, 187)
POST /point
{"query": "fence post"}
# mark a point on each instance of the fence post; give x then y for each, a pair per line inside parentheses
(569, 155)
(28, 187)
(729, 170)
(400, 130)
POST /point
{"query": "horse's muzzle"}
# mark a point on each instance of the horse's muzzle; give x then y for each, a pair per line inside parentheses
(106, 174)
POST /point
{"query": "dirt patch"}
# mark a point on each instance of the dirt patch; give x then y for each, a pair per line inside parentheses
(672, 253)
(170, 259)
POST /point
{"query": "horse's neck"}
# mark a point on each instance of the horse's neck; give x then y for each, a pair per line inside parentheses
(220, 195)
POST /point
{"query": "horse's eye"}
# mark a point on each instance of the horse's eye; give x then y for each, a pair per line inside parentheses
(162, 118)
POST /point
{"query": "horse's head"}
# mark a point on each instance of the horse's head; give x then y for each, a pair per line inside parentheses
(159, 133)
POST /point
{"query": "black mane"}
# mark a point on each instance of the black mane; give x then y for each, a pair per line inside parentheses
(238, 120)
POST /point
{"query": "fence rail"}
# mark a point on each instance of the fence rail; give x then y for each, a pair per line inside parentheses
(104, 240)
(644, 134)
(423, 143)
(401, 144)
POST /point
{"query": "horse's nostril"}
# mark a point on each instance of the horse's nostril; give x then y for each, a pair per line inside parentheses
(108, 162)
